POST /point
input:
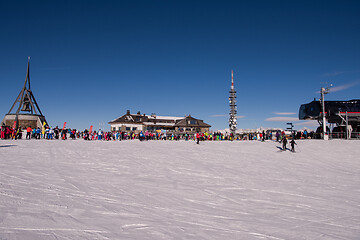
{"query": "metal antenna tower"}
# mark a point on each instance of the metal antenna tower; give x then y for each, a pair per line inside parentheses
(232, 103)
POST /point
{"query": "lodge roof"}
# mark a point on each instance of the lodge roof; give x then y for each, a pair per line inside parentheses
(153, 120)
(189, 121)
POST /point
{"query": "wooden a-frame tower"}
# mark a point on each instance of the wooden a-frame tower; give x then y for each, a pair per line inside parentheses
(28, 113)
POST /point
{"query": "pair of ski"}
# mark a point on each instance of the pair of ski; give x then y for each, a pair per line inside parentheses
(288, 150)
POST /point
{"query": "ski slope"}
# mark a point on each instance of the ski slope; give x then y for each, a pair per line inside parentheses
(179, 190)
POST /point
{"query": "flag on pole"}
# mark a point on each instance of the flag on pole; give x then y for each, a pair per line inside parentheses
(43, 128)
(64, 126)
(91, 127)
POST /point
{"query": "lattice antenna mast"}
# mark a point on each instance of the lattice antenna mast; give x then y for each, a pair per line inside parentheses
(232, 103)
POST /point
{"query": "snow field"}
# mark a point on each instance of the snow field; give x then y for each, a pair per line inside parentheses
(179, 190)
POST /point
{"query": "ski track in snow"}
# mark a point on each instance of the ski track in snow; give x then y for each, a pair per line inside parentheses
(179, 190)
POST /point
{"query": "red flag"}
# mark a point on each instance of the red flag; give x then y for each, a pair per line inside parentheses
(64, 126)
(91, 127)
(14, 126)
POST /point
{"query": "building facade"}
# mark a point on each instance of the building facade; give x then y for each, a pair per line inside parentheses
(152, 123)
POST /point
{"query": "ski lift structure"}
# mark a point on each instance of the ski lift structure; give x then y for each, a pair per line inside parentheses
(343, 114)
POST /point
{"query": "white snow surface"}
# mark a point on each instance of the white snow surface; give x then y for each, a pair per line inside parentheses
(179, 190)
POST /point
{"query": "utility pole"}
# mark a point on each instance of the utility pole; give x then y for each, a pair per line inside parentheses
(347, 128)
(323, 92)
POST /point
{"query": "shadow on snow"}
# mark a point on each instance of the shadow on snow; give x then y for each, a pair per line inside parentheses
(8, 146)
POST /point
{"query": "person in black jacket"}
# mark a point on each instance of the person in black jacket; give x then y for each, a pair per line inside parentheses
(56, 131)
(284, 141)
(293, 143)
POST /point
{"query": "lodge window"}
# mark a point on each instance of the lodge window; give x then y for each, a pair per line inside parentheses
(134, 128)
(192, 122)
(128, 128)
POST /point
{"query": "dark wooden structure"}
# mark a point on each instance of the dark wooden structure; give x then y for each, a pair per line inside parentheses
(27, 112)
(191, 124)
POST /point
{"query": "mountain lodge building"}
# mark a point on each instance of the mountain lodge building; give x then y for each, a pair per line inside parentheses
(142, 122)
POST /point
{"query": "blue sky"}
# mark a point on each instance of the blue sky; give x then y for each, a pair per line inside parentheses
(93, 60)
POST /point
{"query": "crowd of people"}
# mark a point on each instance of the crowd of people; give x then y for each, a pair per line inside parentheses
(64, 134)
(9, 133)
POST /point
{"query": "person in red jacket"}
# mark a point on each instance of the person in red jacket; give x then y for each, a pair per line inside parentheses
(3, 130)
(197, 138)
(28, 132)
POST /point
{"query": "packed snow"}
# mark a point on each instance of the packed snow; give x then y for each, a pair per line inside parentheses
(179, 190)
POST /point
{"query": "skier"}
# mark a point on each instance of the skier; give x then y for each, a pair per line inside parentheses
(3, 131)
(28, 132)
(51, 134)
(56, 132)
(284, 141)
(73, 134)
(293, 143)
(19, 133)
(38, 133)
(263, 136)
(197, 138)
(86, 135)
(47, 133)
(100, 134)
(63, 134)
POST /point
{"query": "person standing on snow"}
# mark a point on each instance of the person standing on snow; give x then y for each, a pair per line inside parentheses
(100, 134)
(28, 132)
(86, 135)
(51, 134)
(3, 131)
(197, 138)
(277, 136)
(293, 143)
(38, 133)
(63, 134)
(284, 141)
(47, 133)
(263, 136)
(56, 132)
